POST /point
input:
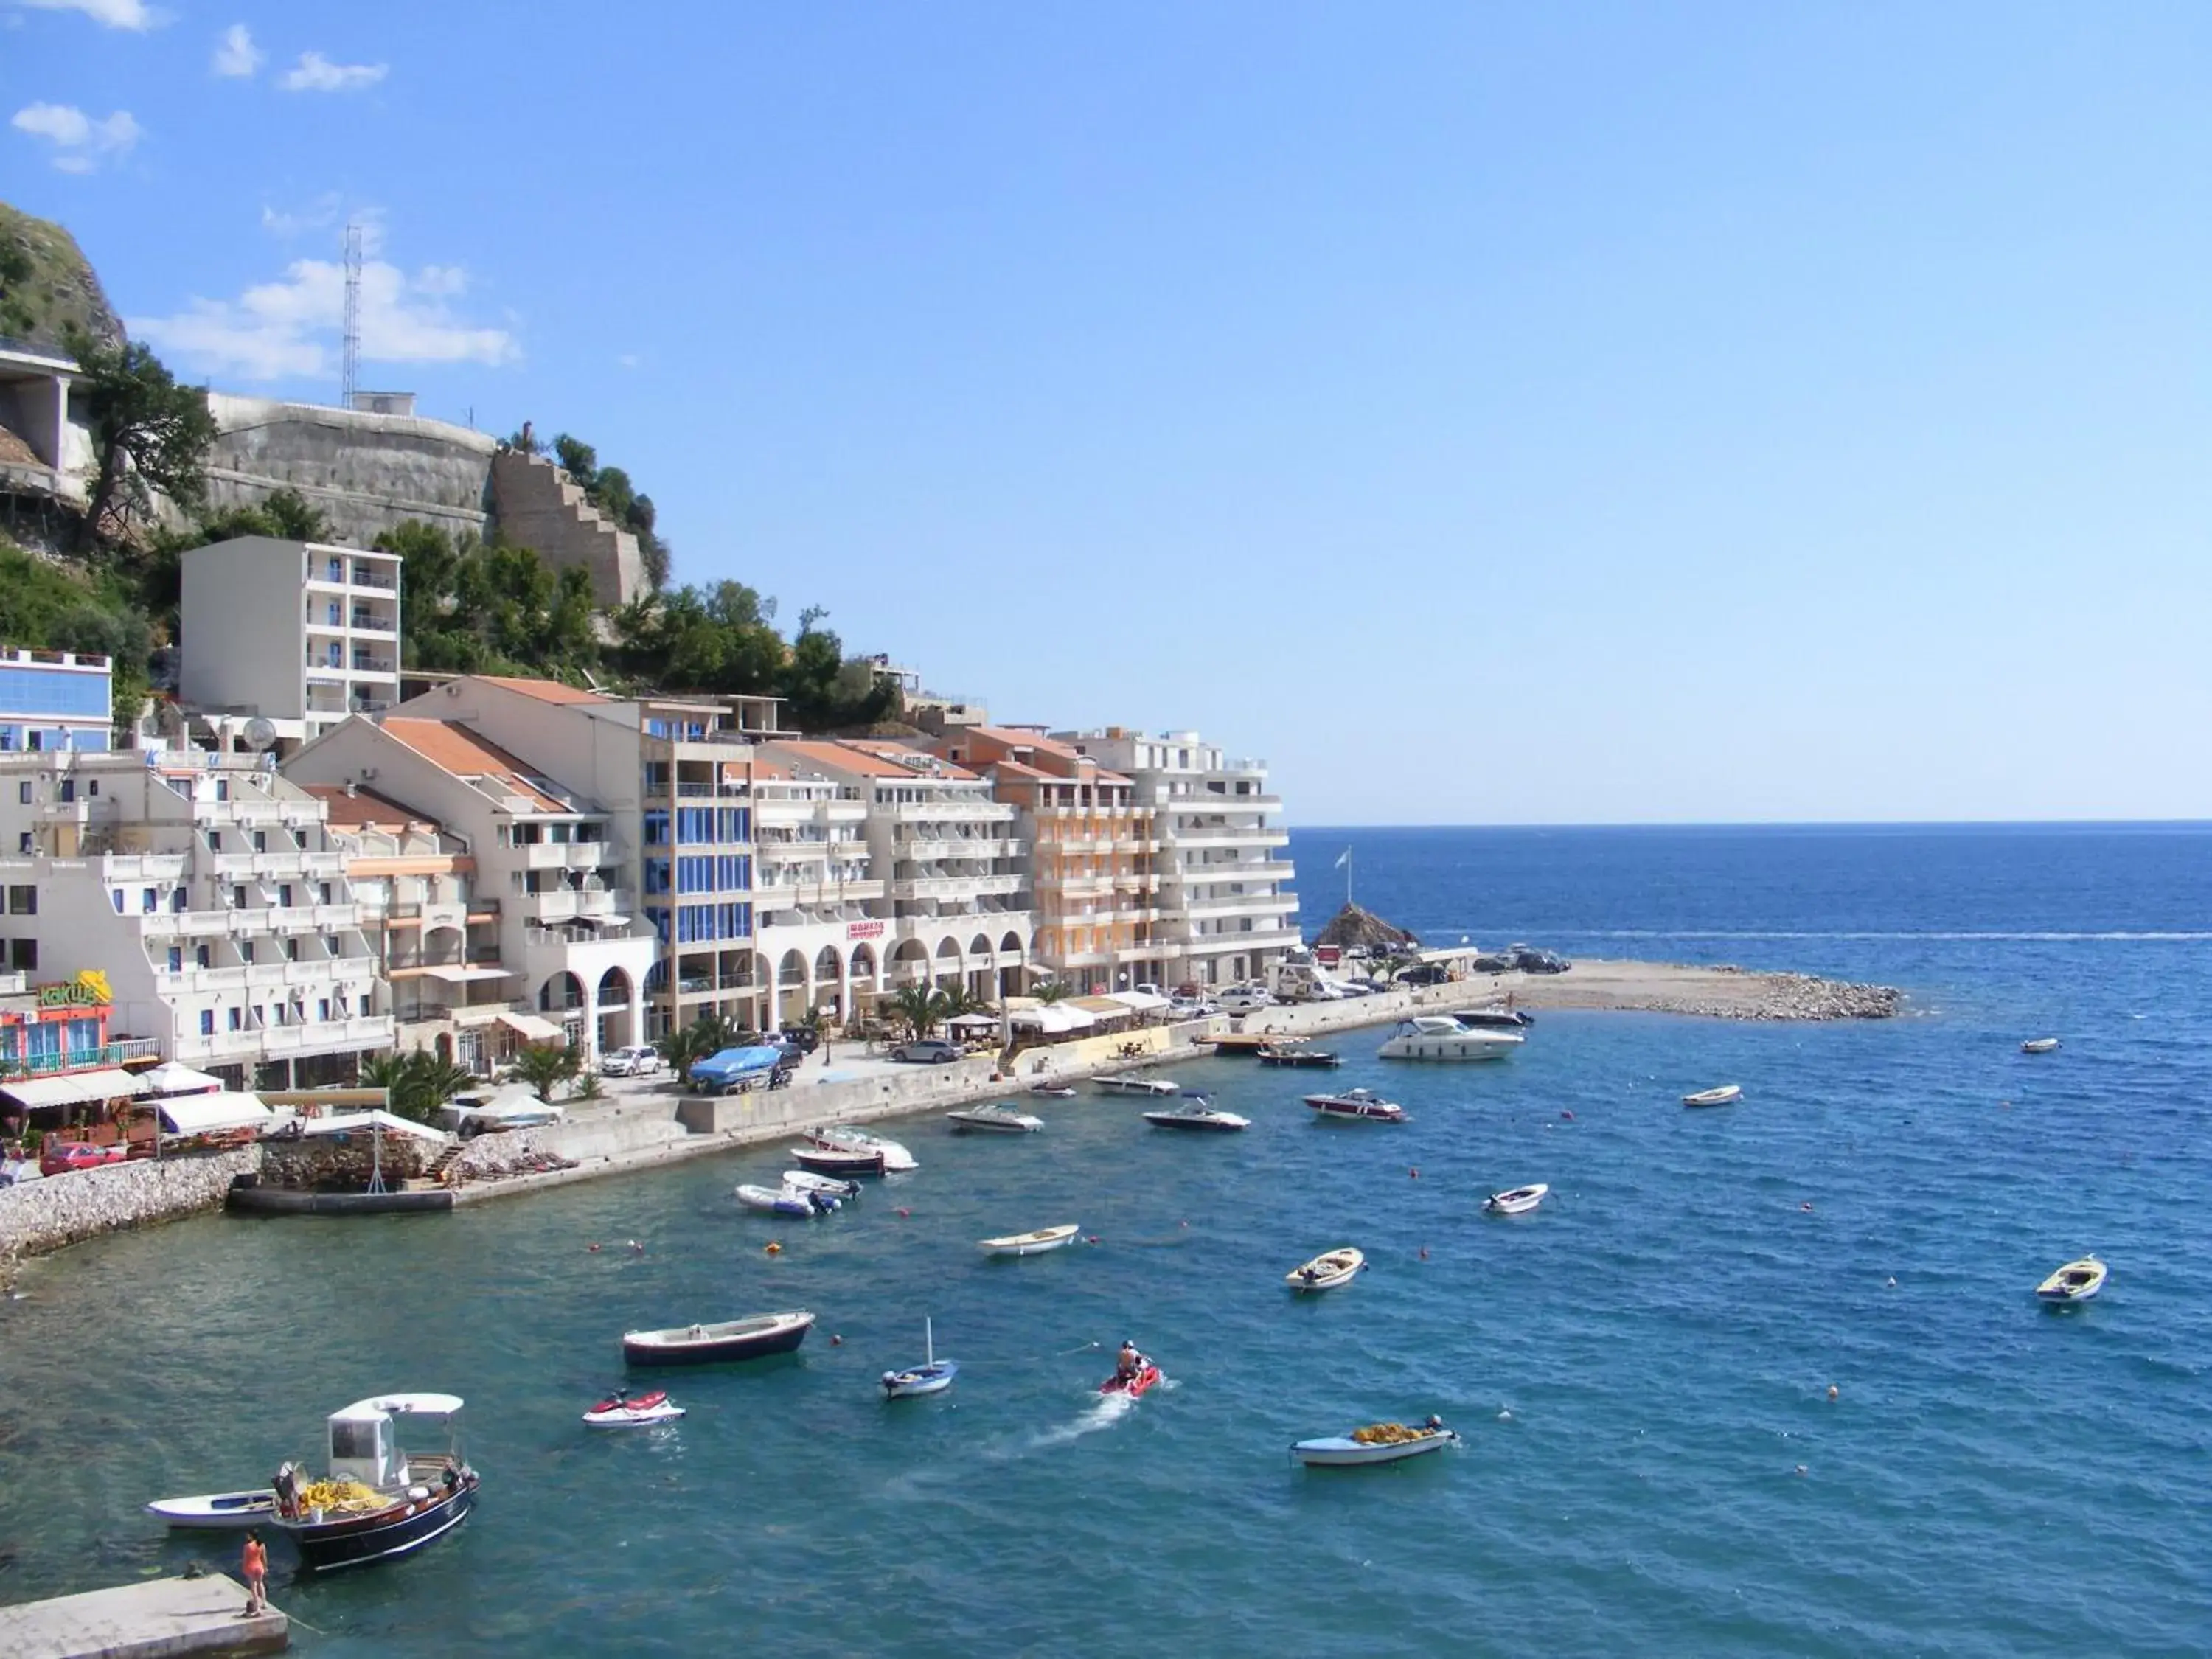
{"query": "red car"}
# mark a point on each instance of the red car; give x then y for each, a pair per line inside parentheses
(66, 1154)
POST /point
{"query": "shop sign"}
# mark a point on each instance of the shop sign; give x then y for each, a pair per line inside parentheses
(88, 990)
(864, 930)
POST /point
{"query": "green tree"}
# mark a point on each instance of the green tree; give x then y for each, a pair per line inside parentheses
(918, 1008)
(416, 1083)
(147, 434)
(685, 1047)
(546, 1067)
(1051, 990)
(18, 316)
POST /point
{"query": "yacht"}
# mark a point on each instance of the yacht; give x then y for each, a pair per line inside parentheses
(1440, 1036)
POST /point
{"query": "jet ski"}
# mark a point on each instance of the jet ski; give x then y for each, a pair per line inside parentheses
(1147, 1374)
(619, 1411)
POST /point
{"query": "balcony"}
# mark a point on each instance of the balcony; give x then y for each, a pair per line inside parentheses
(1195, 944)
(952, 812)
(564, 855)
(1244, 904)
(142, 866)
(555, 939)
(300, 918)
(367, 576)
(367, 622)
(957, 887)
(576, 903)
(1253, 835)
(367, 665)
(785, 893)
(81, 1060)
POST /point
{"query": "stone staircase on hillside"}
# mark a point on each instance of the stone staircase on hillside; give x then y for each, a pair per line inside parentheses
(539, 506)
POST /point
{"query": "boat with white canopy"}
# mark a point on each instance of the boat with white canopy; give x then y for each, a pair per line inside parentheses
(380, 1500)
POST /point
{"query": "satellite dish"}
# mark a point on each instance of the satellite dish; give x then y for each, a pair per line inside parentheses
(259, 734)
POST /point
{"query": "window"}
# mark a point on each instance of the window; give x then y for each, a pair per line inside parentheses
(117, 894)
(656, 827)
(149, 901)
(735, 920)
(238, 898)
(326, 891)
(260, 841)
(736, 823)
(322, 1007)
(245, 952)
(23, 956)
(177, 900)
(214, 840)
(337, 570)
(22, 901)
(203, 956)
(10, 736)
(656, 875)
(260, 1016)
(694, 825)
(332, 947)
(695, 875)
(23, 793)
(176, 958)
(23, 842)
(69, 788)
(207, 1022)
(733, 873)
(291, 950)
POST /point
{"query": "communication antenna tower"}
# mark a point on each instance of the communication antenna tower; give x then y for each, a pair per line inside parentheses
(349, 371)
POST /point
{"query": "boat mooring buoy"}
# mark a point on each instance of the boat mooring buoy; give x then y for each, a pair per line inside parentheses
(1834, 1393)
(772, 1248)
(835, 1340)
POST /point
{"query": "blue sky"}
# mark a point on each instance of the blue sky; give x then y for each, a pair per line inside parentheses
(1488, 414)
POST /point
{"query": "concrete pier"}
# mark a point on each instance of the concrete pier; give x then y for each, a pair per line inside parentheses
(154, 1620)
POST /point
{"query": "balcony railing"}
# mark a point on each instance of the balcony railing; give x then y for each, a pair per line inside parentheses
(364, 578)
(81, 1060)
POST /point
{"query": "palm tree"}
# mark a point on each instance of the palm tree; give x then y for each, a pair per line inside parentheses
(685, 1047)
(546, 1067)
(919, 1007)
(1049, 990)
(960, 1000)
(415, 1084)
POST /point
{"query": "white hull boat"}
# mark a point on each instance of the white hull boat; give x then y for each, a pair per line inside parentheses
(1726, 1095)
(1197, 1115)
(933, 1376)
(1355, 1104)
(1035, 1243)
(215, 1511)
(619, 1411)
(845, 1138)
(1000, 1120)
(2039, 1045)
(785, 1200)
(1127, 1084)
(1382, 1442)
(805, 1180)
(1053, 1090)
(1519, 1201)
(2077, 1281)
(1328, 1270)
(1439, 1036)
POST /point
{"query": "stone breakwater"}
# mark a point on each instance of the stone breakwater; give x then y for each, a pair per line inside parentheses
(40, 1216)
(1793, 996)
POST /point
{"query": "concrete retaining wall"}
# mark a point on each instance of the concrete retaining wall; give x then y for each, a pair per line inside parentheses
(40, 1216)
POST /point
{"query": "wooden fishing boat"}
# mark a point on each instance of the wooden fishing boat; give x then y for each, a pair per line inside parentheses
(1328, 1270)
(754, 1337)
(380, 1500)
(1379, 1442)
(847, 1137)
(2077, 1281)
(1518, 1201)
(2039, 1045)
(1035, 1243)
(1726, 1095)
(838, 1161)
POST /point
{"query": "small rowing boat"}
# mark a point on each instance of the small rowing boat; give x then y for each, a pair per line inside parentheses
(1726, 1095)
(1035, 1243)
(1519, 1201)
(2077, 1281)
(619, 1411)
(754, 1337)
(838, 1162)
(845, 1138)
(1327, 1271)
(998, 1118)
(215, 1511)
(2039, 1045)
(1355, 1104)
(1378, 1443)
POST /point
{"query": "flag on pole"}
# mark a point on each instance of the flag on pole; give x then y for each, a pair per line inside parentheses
(1342, 859)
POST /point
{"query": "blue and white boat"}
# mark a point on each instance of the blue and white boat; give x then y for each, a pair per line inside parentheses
(785, 1200)
(933, 1376)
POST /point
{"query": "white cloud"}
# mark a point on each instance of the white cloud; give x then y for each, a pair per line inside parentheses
(236, 56)
(316, 73)
(285, 223)
(289, 328)
(135, 14)
(628, 360)
(81, 143)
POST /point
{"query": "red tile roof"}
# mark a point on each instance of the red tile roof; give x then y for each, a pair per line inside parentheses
(544, 690)
(364, 809)
(455, 748)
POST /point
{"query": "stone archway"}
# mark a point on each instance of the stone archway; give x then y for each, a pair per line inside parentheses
(618, 1010)
(947, 967)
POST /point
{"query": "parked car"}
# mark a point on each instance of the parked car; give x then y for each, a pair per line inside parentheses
(800, 1039)
(1245, 999)
(1530, 960)
(1192, 1007)
(640, 1059)
(927, 1051)
(1426, 973)
(1493, 961)
(66, 1154)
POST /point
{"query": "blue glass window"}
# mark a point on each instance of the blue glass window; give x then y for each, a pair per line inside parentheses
(656, 827)
(694, 825)
(737, 824)
(28, 689)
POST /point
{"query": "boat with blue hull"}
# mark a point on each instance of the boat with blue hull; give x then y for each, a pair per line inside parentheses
(380, 1500)
(933, 1376)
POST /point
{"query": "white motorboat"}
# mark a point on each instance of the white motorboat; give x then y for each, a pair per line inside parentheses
(805, 1180)
(1358, 1103)
(1328, 1270)
(215, 1511)
(1196, 1114)
(1035, 1243)
(1726, 1095)
(999, 1118)
(2039, 1045)
(933, 1376)
(1493, 1019)
(849, 1138)
(1128, 1082)
(1378, 1443)
(1439, 1036)
(1053, 1090)
(786, 1201)
(1519, 1201)
(2077, 1281)
(619, 1411)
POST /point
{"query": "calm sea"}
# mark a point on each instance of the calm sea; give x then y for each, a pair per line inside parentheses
(1652, 1464)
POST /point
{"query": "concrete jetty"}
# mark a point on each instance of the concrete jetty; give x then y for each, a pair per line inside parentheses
(154, 1620)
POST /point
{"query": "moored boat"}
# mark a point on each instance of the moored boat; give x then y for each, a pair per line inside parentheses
(1358, 1103)
(1128, 1082)
(1726, 1095)
(1300, 1056)
(806, 1181)
(1493, 1019)
(754, 1337)
(785, 1200)
(1517, 1201)
(1439, 1036)
(999, 1118)
(1378, 1443)
(933, 1376)
(2077, 1281)
(1035, 1243)
(2039, 1045)
(1196, 1113)
(1328, 1270)
(379, 1500)
(1053, 1090)
(215, 1511)
(838, 1162)
(620, 1411)
(848, 1138)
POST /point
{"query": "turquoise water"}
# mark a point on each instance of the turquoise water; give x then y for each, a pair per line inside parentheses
(1640, 1369)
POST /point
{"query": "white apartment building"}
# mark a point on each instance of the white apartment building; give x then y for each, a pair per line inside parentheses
(956, 908)
(53, 700)
(210, 892)
(299, 634)
(1227, 909)
(822, 912)
(548, 881)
